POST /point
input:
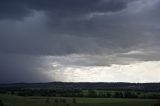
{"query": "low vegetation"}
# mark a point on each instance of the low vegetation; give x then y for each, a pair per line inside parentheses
(84, 93)
(1, 103)
(80, 95)
(11, 100)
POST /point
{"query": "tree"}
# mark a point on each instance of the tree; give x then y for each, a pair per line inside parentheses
(108, 95)
(92, 93)
(129, 95)
(118, 95)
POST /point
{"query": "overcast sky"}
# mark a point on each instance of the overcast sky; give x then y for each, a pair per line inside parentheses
(79, 40)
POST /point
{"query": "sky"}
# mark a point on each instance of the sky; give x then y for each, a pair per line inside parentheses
(79, 41)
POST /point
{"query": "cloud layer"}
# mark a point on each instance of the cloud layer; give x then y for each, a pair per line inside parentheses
(36, 35)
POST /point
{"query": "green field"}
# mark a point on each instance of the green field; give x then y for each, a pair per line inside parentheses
(11, 100)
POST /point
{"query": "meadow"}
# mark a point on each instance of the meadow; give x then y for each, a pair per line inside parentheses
(80, 94)
(13, 100)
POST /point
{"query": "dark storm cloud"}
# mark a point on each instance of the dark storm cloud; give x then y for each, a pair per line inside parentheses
(58, 8)
(21, 68)
(36, 33)
(10, 9)
(54, 38)
(53, 28)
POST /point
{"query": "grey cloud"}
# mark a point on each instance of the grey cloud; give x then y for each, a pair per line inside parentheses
(82, 36)
(13, 9)
(58, 8)
(21, 68)
(98, 32)
(39, 35)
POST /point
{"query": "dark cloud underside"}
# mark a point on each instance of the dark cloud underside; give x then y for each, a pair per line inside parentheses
(59, 8)
(98, 32)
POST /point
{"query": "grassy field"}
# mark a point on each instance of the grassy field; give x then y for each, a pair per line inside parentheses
(11, 100)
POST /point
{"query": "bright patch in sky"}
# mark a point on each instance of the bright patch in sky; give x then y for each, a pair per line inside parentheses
(138, 72)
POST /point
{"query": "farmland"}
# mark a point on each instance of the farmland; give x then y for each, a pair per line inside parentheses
(11, 100)
(80, 94)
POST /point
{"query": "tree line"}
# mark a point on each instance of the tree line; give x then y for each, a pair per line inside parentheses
(82, 93)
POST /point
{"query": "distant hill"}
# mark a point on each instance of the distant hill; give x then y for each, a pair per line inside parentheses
(105, 86)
